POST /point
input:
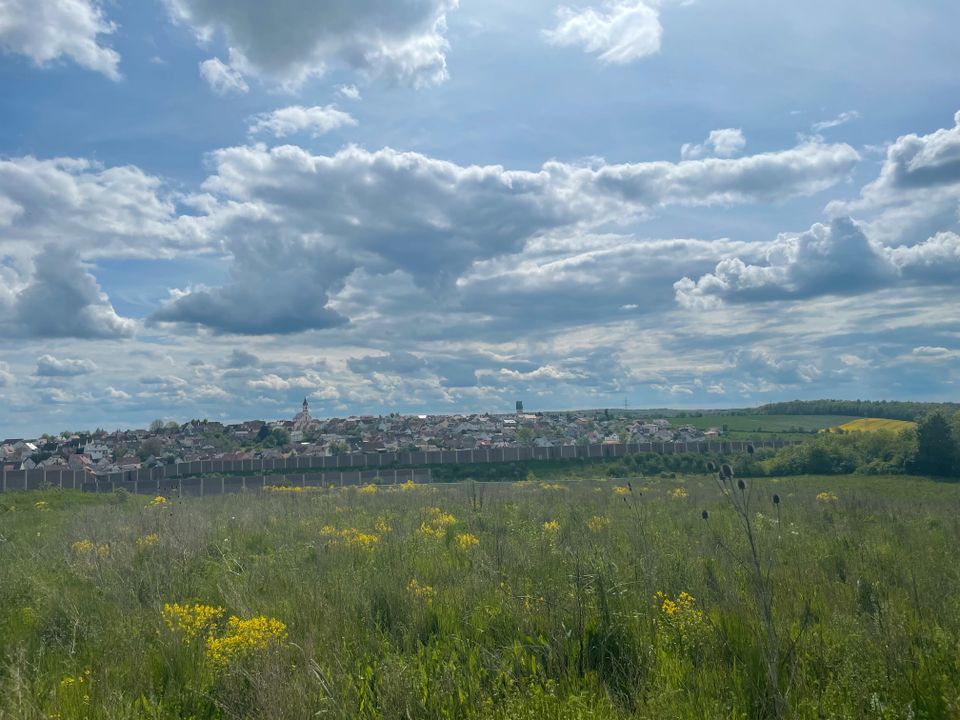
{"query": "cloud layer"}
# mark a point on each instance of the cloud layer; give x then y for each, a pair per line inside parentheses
(47, 30)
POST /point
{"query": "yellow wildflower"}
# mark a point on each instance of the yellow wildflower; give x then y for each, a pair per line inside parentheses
(466, 541)
(41, 505)
(382, 526)
(827, 497)
(421, 592)
(88, 549)
(621, 490)
(147, 541)
(551, 486)
(159, 501)
(368, 490)
(679, 493)
(244, 638)
(598, 522)
(408, 485)
(551, 526)
(191, 620)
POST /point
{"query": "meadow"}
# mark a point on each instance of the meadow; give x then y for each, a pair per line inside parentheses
(738, 426)
(874, 424)
(647, 598)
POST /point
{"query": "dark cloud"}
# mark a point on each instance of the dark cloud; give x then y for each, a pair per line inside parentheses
(61, 300)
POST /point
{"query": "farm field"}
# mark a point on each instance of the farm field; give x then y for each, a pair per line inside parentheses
(750, 425)
(873, 424)
(587, 599)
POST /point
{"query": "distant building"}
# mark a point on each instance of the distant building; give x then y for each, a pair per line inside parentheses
(302, 420)
(519, 407)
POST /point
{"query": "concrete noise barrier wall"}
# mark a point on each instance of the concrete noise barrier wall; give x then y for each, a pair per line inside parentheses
(332, 469)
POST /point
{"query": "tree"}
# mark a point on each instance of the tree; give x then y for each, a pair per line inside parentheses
(172, 425)
(151, 447)
(525, 435)
(157, 426)
(278, 437)
(936, 452)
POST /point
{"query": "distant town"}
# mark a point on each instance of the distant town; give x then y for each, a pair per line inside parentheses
(102, 452)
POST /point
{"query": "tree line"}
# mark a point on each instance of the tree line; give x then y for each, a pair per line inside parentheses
(890, 409)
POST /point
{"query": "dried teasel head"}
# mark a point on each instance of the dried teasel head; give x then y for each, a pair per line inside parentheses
(629, 486)
(726, 471)
(750, 448)
(705, 515)
(741, 485)
(776, 499)
(711, 467)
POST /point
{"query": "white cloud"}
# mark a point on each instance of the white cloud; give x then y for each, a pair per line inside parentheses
(100, 211)
(350, 92)
(6, 377)
(116, 394)
(725, 142)
(61, 299)
(835, 259)
(298, 224)
(841, 119)
(49, 366)
(222, 78)
(46, 30)
(286, 121)
(917, 192)
(621, 32)
(291, 42)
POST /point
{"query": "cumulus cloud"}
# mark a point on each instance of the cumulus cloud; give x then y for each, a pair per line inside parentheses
(101, 210)
(841, 119)
(47, 30)
(298, 224)
(115, 394)
(725, 142)
(286, 121)
(834, 259)
(619, 33)
(49, 366)
(6, 377)
(240, 359)
(917, 192)
(759, 367)
(61, 299)
(279, 285)
(222, 78)
(293, 41)
(350, 92)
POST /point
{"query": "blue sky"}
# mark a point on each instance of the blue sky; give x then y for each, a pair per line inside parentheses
(212, 208)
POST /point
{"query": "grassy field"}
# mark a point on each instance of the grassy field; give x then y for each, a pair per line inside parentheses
(873, 424)
(532, 600)
(765, 423)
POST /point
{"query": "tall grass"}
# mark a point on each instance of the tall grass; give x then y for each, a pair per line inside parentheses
(582, 599)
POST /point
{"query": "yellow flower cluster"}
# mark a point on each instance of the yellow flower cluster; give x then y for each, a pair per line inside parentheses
(350, 537)
(292, 488)
(244, 638)
(368, 490)
(551, 526)
(621, 490)
(147, 541)
(408, 485)
(191, 620)
(159, 501)
(70, 680)
(551, 486)
(682, 615)
(89, 549)
(679, 493)
(466, 541)
(382, 526)
(436, 523)
(827, 497)
(421, 592)
(41, 505)
(598, 522)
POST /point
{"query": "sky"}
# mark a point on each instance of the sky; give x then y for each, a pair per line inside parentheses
(215, 208)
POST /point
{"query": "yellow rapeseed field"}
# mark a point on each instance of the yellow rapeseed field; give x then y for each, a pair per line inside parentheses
(872, 424)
